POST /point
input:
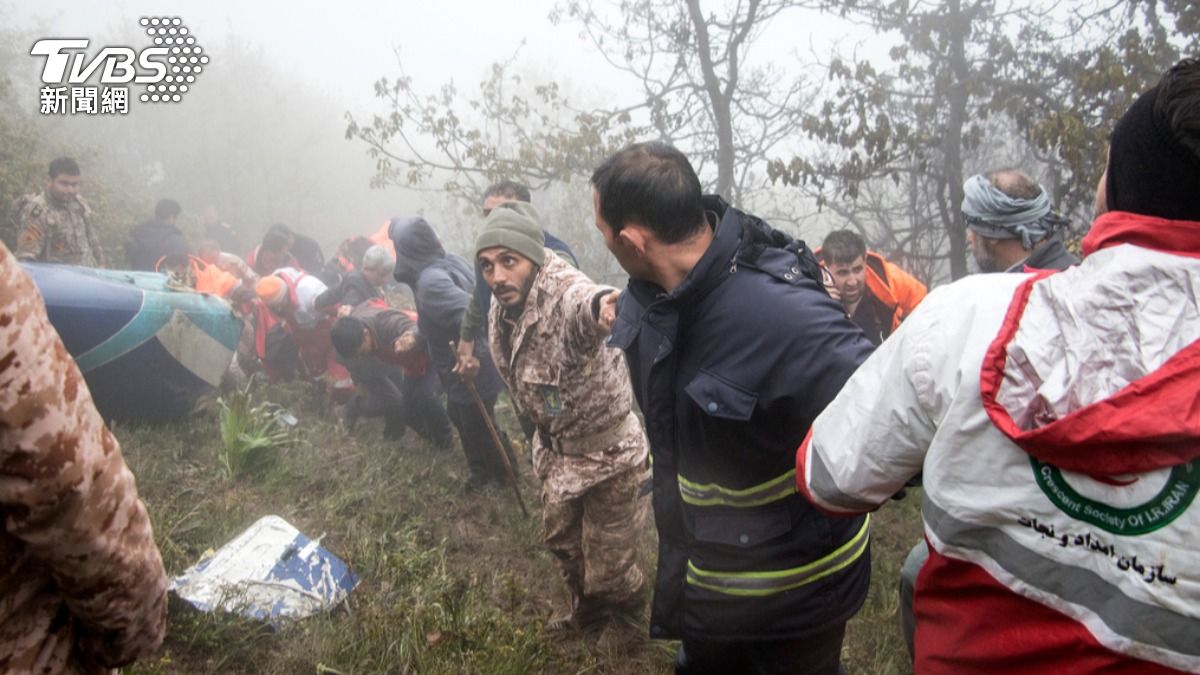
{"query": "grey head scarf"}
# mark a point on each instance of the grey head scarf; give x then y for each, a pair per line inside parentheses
(993, 214)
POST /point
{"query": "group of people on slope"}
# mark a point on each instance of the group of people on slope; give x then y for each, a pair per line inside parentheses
(1050, 415)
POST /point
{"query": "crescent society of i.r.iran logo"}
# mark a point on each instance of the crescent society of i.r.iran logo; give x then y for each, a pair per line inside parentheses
(1167, 499)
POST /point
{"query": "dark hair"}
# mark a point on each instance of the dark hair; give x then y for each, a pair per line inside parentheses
(347, 336)
(354, 248)
(654, 185)
(165, 208)
(275, 241)
(1014, 183)
(64, 165)
(509, 189)
(282, 229)
(841, 247)
(1177, 106)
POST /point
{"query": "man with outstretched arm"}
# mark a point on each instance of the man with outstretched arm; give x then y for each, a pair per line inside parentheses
(589, 448)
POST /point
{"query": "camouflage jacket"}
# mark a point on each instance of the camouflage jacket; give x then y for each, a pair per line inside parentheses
(573, 387)
(57, 233)
(82, 587)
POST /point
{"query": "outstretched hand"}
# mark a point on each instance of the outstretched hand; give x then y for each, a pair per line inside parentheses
(608, 311)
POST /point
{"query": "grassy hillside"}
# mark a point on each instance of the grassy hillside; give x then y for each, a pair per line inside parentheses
(450, 582)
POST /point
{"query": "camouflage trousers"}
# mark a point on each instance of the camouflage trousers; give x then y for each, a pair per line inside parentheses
(594, 538)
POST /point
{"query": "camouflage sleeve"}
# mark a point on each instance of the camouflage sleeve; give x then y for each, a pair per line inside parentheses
(94, 242)
(97, 251)
(65, 491)
(31, 236)
(581, 301)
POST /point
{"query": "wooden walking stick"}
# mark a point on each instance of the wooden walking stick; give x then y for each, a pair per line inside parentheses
(487, 419)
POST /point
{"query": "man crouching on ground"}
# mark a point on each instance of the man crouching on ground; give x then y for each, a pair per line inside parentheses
(589, 449)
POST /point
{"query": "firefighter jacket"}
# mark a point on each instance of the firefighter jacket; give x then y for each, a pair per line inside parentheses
(730, 368)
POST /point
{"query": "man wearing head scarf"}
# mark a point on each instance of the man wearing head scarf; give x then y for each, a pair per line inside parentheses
(1055, 418)
(1012, 224)
(442, 283)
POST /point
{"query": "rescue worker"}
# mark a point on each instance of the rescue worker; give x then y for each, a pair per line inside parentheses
(274, 252)
(82, 586)
(589, 450)
(1054, 417)
(185, 270)
(877, 294)
(391, 372)
(56, 225)
(475, 323)
(210, 251)
(733, 347)
(360, 285)
(442, 284)
(1011, 224)
(290, 295)
(148, 242)
(1012, 228)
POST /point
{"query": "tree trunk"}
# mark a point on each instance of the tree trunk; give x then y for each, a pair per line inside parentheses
(960, 26)
(721, 109)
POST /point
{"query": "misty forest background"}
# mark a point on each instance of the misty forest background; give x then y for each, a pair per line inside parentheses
(875, 134)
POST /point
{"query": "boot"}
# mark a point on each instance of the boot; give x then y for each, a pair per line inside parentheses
(586, 614)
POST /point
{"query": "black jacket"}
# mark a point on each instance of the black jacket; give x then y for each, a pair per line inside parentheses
(1052, 255)
(730, 370)
(442, 284)
(353, 290)
(148, 243)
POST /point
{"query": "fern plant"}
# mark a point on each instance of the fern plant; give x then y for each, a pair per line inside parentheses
(250, 435)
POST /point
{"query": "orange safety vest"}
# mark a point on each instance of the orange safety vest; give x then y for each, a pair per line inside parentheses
(209, 278)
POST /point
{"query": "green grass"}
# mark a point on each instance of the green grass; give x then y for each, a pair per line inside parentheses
(450, 583)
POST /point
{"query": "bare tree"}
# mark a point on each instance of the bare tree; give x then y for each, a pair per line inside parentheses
(702, 91)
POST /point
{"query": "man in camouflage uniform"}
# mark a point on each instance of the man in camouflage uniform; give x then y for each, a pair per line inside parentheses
(548, 339)
(82, 587)
(56, 226)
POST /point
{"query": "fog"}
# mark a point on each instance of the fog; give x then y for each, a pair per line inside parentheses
(262, 134)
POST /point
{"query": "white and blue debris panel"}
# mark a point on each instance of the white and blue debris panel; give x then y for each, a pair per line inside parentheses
(270, 572)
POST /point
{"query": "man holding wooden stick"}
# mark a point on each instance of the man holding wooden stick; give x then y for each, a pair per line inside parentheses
(548, 340)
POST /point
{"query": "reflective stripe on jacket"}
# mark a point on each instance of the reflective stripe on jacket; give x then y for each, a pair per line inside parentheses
(730, 369)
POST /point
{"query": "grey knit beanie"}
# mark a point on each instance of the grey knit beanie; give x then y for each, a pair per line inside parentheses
(516, 226)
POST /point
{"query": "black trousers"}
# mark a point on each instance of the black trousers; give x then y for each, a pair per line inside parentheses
(413, 402)
(482, 459)
(816, 654)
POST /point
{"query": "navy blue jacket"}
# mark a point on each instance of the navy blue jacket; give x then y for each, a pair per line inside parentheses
(730, 369)
(442, 284)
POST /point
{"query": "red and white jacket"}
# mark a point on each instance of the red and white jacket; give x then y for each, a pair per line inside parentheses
(1056, 417)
